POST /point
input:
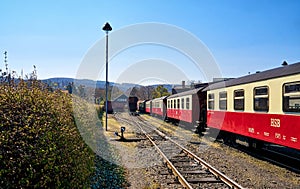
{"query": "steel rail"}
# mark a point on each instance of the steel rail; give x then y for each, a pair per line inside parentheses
(231, 183)
(180, 178)
(213, 170)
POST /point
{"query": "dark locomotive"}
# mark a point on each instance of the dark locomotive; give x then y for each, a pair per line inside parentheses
(122, 104)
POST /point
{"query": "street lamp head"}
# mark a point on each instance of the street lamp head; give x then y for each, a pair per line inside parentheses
(107, 27)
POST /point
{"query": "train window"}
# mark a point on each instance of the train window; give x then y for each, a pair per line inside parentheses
(223, 100)
(291, 97)
(171, 103)
(178, 103)
(211, 101)
(168, 104)
(239, 99)
(261, 99)
(187, 103)
(292, 87)
(182, 103)
(156, 104)
(174, 101)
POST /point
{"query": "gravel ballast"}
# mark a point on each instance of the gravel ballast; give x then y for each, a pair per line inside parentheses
(143, 165)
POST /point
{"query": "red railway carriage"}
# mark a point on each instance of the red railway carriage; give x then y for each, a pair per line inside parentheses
(186, 106)
(148, 105)
(159, 107)
(260, 107)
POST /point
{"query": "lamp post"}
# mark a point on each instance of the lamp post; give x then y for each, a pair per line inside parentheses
(106, 28)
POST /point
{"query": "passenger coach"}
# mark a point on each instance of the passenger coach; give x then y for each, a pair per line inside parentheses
(148, 105)
(159, 107)
(260, 107)
(186, 106)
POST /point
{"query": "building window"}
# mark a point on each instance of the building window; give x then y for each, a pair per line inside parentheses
(261, 99)
(223, 100)
(239, 99)
(182, 103)
(211, 101)
(187, 103)
(291, 97)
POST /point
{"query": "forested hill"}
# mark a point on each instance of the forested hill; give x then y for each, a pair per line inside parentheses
(62, 83)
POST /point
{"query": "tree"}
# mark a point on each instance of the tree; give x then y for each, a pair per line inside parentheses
(160, 91)
(70, 87)
(134, 92)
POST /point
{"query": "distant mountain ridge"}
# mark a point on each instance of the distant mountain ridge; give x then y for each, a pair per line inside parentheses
(62, 82)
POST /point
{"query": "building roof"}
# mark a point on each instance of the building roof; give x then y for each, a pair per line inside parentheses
(259, 76)
(122, 96)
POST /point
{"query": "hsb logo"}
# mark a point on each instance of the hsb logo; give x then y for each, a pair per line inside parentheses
(275, 122)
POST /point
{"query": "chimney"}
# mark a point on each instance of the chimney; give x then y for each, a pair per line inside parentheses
(284, 63)
(183, 84)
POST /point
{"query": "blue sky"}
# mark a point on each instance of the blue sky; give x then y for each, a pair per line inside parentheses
(243, 36)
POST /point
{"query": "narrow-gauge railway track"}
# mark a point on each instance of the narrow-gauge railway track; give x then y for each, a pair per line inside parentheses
(190, 170)
(282, 158)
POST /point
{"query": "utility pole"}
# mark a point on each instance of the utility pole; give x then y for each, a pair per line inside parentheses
(106, 28)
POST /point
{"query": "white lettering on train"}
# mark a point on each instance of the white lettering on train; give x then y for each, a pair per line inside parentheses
(278, 135)
(275, 122)
(266, 134)
(294, 139)
(251, 130)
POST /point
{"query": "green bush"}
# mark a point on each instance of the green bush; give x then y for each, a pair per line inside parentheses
(40, 145)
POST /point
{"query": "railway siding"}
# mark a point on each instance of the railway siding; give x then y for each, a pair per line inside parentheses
(247, 171)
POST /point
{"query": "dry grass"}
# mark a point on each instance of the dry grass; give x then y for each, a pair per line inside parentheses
(114, 126)
(153, 185)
